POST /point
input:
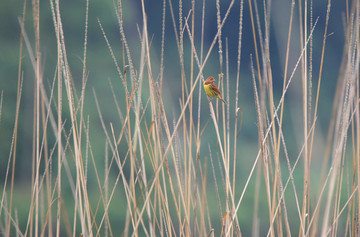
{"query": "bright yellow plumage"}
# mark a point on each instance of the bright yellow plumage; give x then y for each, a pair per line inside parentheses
(211, 89)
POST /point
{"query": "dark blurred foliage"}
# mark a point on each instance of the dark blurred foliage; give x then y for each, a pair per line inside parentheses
(101, 68)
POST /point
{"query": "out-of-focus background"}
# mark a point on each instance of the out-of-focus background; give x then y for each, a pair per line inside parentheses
(101, 75)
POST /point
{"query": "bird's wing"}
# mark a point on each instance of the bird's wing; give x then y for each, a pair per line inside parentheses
(214, 87)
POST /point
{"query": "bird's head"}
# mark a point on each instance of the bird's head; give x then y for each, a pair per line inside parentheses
(209, 80)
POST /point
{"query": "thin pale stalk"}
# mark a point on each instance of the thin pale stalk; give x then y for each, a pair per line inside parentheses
(237, 91)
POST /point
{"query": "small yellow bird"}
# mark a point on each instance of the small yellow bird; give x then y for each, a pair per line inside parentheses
(211, 89)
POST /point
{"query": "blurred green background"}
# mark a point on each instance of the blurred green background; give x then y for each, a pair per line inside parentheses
(101, 70)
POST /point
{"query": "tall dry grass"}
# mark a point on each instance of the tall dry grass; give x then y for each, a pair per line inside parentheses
(171, 181)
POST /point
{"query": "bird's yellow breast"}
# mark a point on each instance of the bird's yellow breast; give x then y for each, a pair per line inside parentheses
(209, 90)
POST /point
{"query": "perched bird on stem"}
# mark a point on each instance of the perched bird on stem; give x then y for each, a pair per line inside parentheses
(211, 89)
